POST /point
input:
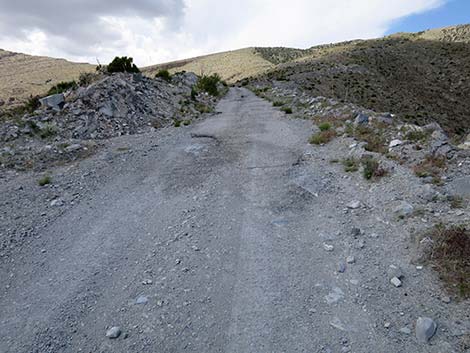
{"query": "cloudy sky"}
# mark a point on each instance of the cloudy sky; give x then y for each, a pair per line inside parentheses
(154, 31)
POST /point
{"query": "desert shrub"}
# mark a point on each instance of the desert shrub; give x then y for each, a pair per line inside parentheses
(287, 110)
(164, 75)
(209, 84)
(45, 180)
(322, 137)
(122, 64)
(324, 126)
(278, 104)
(87, 78)
(450, 255)
(48, 130)
(430, 166)
(32, 104)
(371, 168)
(187, 122)
(193, 93)
(62, 87)
(351, 165)
(203, 108)
(177, 123)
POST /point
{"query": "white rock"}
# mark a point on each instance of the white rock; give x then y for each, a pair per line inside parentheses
(354, 204)
(350, 260)
(425, 329)
(328, 247)
(396, 282)
(395, 143)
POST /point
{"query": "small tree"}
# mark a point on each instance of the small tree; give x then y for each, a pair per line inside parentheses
(123, 64)
(209, 84)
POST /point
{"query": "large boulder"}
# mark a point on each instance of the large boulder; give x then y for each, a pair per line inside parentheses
(56, 101)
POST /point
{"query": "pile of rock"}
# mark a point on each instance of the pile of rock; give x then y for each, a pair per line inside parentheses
(119, 104)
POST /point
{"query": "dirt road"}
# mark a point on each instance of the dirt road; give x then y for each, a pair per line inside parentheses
(231, 235)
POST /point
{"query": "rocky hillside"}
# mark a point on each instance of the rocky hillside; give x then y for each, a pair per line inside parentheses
(25, 75)
(419, 80)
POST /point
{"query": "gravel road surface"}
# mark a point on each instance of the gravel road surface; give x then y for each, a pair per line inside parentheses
(230, 235)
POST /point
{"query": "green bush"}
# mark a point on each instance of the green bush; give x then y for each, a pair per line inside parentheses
(177, 123)
(324, 126)
(209, 84)
(287, 110)
(122, 64)
(351, 165)
(62, 87)
(278, 104)
(164, 75)
(372, 168)
(45, 180)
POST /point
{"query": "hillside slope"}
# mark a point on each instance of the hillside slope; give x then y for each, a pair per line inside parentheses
(25, 75)
(420, 80)
(231, 66)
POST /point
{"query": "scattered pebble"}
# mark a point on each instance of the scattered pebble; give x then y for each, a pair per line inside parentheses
(113, 332)
(141, 300)
(328, 247)
(405, 331)
(396, 282)
(425, 329)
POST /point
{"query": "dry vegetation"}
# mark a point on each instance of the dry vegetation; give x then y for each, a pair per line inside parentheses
(23, 75)
(232, 66)
(450, 255)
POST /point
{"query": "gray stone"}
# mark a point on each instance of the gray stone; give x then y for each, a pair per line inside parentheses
(141, 300)
(405, 330)
(56, 101)
(350, 260)
(403, 209)
(342, 267)
(354, 205)
(73, 148)
(57, 202)
(361, 119)
(425, 329)
(113, 332)
(2, 102)
(396, 282)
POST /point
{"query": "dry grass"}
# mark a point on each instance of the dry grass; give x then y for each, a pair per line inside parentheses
(450, 255)
(322, 137)
(25, 75)
(431, 166)
(232, 66)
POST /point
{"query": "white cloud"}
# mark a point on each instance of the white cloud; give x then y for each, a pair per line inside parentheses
(167, 32)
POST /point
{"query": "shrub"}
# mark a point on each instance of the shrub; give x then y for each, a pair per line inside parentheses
(164, 75)
(87, 78)
(209, 84)
(431, 166)
(322, 137)
(62, 87)
(287, 110)
(324, 126)
(45, 180)
(372, 168)
(187, 122)
(278, 104)
(122, 64)
(177, 123)
(193, 93)
(450, 254)
(47, 130)
(351, 165)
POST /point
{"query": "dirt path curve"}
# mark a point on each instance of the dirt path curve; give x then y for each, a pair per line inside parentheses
(214, 242)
